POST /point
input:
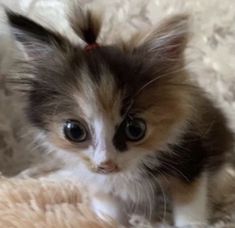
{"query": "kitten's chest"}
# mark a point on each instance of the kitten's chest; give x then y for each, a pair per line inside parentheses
(131, 189)
(144, 197)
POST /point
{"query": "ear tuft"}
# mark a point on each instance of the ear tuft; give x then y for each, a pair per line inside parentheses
(86, 24)
(167, 41)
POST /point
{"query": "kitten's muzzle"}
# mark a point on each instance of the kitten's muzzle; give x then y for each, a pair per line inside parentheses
(107, 167)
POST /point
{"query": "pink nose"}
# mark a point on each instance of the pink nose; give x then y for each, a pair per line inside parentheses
(107, 167)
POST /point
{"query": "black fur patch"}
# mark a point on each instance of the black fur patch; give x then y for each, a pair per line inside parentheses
(119, 139)
(197, 152)
(187, 160)
(89, 32)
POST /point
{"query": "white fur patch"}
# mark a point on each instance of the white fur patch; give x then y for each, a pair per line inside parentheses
(194, 212)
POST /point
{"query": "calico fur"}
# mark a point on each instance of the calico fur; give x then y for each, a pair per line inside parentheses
(187, 137)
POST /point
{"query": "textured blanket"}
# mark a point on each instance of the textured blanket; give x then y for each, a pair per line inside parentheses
(211, 59)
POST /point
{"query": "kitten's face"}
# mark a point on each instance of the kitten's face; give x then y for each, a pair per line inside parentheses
(96, 126)
(110, 107)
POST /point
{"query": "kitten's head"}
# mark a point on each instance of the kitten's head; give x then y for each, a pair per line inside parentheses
(112, 106)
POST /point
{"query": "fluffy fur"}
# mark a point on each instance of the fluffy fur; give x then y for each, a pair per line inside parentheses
(190, 166)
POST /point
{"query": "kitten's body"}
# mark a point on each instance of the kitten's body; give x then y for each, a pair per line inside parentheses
(105, 88)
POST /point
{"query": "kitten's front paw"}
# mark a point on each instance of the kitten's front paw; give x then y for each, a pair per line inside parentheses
(28, 173)
(108, 209)
(36, 172)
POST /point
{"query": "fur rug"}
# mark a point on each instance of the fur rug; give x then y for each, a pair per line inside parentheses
(211, 58)
(39, 204)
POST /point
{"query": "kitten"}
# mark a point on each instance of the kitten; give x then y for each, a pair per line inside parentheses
(125, 116)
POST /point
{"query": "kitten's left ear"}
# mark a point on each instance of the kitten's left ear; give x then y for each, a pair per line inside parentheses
(167, 42)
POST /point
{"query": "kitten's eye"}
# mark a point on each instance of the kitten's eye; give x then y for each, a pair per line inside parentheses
(74, 131)
(135, 129)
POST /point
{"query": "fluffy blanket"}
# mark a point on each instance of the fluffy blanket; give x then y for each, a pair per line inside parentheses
(211, 58)
(40, 204)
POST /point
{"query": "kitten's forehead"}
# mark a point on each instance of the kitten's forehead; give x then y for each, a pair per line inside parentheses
(98, 98)
(107, 79)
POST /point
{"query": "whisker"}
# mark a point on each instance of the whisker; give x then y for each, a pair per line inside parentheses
(158, 78)
(163, 194)
(150, 197)
(132, 100)
(164, 201)
(167, 165)
(184, 85)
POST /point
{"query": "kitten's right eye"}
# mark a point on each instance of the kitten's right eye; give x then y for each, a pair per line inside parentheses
(74, 131)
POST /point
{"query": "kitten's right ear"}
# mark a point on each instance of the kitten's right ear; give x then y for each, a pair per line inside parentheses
(37, 40)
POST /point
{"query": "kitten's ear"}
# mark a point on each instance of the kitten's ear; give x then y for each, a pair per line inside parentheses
(37, 40)
(167, 41)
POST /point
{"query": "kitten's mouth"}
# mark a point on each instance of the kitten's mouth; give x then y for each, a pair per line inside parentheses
(107, 171)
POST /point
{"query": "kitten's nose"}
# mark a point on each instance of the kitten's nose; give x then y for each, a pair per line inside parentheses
(107, 167)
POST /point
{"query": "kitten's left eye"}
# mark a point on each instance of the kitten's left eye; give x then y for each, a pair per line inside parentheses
(74, 131)
(135, 129)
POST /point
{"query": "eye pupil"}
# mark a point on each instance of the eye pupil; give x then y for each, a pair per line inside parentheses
(135, 129)
(74, 131)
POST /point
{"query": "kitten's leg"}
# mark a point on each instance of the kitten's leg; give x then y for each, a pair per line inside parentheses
(37, 171)
(108, 208)
(190, 202)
